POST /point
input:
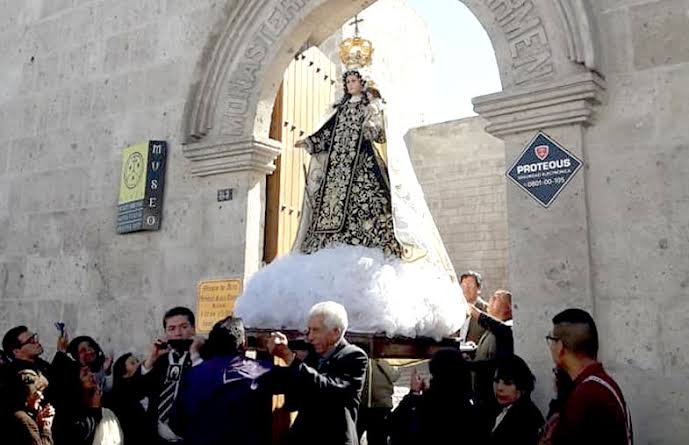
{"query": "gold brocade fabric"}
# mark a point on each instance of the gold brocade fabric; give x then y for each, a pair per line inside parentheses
(353, 204)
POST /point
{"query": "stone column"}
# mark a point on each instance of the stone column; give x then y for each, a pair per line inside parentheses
(244, 163)
(549, 267)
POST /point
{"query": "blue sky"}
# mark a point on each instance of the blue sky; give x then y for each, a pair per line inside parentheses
(464, 56)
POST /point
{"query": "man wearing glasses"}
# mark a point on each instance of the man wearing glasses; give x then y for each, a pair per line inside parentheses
(23, 349)
(595, 411)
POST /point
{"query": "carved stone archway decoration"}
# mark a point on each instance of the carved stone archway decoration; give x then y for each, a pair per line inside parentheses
(535, 41)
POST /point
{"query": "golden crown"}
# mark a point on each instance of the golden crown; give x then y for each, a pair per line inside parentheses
(356, 52)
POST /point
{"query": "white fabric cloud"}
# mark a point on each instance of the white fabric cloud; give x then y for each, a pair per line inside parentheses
(380, 294)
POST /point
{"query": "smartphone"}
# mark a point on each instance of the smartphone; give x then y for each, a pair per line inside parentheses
(60, 326)
(180, 345)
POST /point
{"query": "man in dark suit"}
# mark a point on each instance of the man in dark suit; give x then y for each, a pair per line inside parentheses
(159, 376)
(325, 387)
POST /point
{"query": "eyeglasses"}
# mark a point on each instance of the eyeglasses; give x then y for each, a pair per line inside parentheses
(32, 339)
(550, 338)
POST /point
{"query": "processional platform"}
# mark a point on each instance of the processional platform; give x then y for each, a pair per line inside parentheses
(375, 345)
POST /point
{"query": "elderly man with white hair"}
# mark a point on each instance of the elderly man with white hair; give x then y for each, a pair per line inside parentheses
(325, 387)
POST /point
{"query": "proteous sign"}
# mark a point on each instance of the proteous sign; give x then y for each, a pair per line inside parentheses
(543, 169)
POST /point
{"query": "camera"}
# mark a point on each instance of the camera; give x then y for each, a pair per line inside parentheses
(178, 344)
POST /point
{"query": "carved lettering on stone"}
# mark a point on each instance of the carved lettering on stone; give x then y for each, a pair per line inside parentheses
(293, 7)
(276, 23)
(526, 38)
(243, 80)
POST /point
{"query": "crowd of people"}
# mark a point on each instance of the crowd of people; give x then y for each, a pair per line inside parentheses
(194, 391)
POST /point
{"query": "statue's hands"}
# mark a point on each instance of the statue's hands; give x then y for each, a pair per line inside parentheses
(301, 143)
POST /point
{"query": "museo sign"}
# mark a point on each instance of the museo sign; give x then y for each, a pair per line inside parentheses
(140, 205)
(543, 169)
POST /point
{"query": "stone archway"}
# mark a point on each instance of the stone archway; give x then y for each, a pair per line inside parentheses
(548, 60)
(534, 40)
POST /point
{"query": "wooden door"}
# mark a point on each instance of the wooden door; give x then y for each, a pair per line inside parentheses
(304, 98)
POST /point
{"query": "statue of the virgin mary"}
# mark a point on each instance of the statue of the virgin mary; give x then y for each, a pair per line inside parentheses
(366, 237)
(359, 194)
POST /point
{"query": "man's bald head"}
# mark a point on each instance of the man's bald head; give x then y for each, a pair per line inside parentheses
(577, 331)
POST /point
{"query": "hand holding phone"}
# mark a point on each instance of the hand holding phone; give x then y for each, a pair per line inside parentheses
(60, 326)
(62, 339)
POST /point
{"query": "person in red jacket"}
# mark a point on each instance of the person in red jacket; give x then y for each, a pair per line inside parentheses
(595, 411)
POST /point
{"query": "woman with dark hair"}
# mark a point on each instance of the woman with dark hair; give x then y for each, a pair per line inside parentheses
(31, 423)
(519, 420)
(125, 403)
(431, 414)
(87, 352)
(82, 419)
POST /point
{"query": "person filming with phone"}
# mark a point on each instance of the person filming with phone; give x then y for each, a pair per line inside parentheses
(159, 376)
(24, 350)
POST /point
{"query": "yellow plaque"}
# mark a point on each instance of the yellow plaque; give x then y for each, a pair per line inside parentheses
(133, 180)
(215, 301)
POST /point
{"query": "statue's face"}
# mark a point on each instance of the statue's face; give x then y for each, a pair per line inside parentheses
(354, 85)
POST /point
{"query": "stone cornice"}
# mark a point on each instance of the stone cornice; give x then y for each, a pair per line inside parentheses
(215, 157)
(563, 102)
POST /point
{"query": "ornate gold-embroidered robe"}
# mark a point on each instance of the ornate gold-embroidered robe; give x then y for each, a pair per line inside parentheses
(360, 191)
(352, 203)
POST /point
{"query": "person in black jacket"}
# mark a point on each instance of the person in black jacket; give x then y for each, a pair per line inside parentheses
(81, 419)
(126, 402)
(442, 412)
(24, 350)
(519, 421)
(158, 377)
(325, 387)
(495, 343)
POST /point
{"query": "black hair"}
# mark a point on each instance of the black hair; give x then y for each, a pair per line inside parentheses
(347, 96)
(471, 273)
(73, 350)
(450, 374)
(514, 370)
(10, 341)
(118, 370)
(577, 331)
(179, 310)
(226, 338)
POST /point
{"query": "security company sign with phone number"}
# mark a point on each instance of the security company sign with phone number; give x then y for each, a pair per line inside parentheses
(544, 169)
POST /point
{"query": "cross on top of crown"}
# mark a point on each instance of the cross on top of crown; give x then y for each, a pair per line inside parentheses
(356, 22)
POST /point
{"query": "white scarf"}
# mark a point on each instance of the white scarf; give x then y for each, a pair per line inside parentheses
(108, 431)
